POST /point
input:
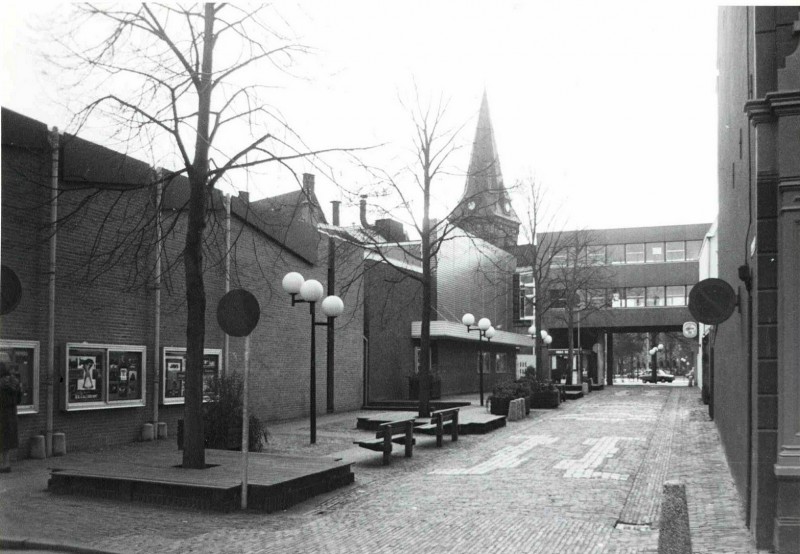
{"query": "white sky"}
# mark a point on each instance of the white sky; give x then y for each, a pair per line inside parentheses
(612, 106)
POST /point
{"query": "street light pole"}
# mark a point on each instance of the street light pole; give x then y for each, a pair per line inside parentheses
(484, 329)
(311, 292)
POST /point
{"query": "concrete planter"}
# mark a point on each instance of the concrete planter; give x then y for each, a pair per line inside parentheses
(545, 400)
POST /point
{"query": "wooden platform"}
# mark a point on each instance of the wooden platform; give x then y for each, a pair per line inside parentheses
(470, 422)
(275, 482)
(413, 405)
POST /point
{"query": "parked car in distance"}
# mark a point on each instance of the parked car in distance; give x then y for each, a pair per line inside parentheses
(662, 377)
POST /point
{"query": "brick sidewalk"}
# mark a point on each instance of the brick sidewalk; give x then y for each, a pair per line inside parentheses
(584, 478)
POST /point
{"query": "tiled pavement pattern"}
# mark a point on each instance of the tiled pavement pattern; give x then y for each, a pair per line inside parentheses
(551, 483)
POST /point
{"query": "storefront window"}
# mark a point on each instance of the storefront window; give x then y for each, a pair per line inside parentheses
(634, 253)
(676, 251)
(526, 296)
(174, 373)
(655, 252)
(501, 362)
(21, 357)
(104, 376)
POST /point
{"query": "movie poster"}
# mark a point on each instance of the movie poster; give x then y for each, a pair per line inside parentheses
(85, 376)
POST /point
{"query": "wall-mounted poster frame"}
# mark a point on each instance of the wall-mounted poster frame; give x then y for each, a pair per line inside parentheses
(173, 364)
(22, 359)
(102, 376)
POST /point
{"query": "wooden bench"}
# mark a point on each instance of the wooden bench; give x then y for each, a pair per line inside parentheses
(399, 431)
(439, 419)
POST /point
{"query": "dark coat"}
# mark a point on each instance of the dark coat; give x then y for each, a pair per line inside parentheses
(10, 396)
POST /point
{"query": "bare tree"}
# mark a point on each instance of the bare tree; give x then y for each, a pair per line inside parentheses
(186, 80)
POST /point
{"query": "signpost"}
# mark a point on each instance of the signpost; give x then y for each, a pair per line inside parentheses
(238, 313)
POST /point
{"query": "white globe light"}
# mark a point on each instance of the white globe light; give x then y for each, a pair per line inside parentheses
(532, 330)
(484, 323)
(661, 347)
(490, 333)
(312, 291)
(468, 320)
(548, 339)
(332, 306)
(543, 334)
(292, 282)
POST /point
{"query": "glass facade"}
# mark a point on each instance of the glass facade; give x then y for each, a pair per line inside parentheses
(654, 252)
(634, 253)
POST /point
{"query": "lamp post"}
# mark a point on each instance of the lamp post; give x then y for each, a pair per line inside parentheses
(485, 329)
(547, 340)
(311, 292)
(654, 360)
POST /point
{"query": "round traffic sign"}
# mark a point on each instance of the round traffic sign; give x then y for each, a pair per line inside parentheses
(690, 329)
(712, 301)
(238, 313)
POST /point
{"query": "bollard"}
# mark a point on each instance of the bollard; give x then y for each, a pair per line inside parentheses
(674, 536)
(59, 444)
(516, 409)
(147, 432)
(162, 430)
(37, 447)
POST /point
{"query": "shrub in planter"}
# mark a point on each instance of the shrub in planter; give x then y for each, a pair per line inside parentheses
(222, 416)
(502, 395)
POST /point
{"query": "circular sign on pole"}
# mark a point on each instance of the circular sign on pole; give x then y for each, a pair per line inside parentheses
(10, 290)
(712, 301)
(690, 329)
(238, 313)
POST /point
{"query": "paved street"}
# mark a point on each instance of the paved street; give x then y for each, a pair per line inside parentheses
(584, 478)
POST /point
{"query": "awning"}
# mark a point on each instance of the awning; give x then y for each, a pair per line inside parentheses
(458, 331)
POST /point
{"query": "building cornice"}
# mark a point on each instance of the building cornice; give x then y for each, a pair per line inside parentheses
(773, 106)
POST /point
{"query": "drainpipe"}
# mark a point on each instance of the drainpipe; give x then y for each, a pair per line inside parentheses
(226, 338)
(157, 323)
(53, 139)
(331, 291)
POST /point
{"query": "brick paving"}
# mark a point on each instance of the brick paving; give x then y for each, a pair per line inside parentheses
(584, 478)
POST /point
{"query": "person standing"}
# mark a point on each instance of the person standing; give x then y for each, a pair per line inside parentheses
(10, 396)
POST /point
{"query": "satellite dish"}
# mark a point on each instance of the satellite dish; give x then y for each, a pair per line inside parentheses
(238, 313)
(712, 301)
(10, 290)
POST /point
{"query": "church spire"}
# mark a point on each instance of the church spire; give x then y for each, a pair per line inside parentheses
(485, 209)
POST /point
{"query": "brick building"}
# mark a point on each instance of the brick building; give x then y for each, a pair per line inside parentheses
(99, 350)
(756, 372)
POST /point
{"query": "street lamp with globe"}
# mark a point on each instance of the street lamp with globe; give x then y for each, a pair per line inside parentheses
(486, 330)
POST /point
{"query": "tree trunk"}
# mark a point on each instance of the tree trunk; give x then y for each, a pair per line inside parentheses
(194, 456)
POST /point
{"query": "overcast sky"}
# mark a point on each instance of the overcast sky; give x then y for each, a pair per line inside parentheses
(611, 106)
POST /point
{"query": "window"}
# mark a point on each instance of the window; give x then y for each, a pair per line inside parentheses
(617, 298)
(655, 296)
(563, 257)
(676, 295)
(104, 376)
(634, 297)
(688, 291)
(615, 253)
(526, 296)
(558, 298)
(597, 255)
(21, 357)
(634, 253)
(501, 362)
(693, 249)
(597, 297)
(173, 371)
(655, 252)
(676, 251)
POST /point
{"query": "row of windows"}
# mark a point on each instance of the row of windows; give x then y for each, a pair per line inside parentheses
(635, 253)
(628, 297)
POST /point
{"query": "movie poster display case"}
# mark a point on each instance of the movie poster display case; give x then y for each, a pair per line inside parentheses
(21, 357)
(173, 374)
(100, 376)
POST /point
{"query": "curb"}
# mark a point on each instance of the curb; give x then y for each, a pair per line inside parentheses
(16, 543)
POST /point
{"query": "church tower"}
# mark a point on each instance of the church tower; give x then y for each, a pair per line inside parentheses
(485, 208)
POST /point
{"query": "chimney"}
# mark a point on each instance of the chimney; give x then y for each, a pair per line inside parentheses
(363, 211)
(336, 204)
(244, 196)
(308, 184)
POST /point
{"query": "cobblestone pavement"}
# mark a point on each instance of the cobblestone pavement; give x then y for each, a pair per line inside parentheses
(585, 478)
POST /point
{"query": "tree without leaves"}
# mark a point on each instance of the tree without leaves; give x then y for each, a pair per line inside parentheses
(433, 145)
(178, 79)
